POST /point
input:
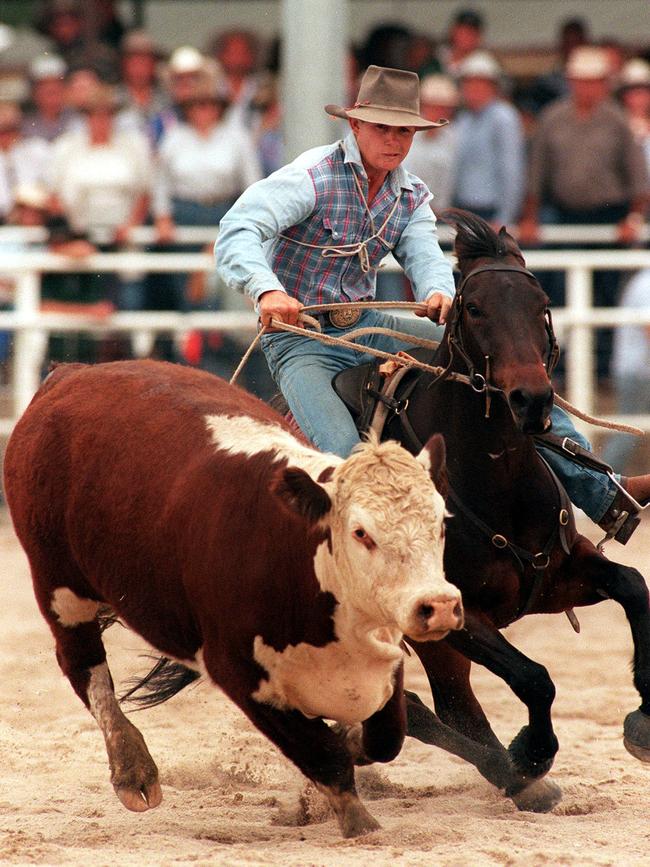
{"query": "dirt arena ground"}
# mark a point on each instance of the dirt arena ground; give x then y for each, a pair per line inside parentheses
(231, 799)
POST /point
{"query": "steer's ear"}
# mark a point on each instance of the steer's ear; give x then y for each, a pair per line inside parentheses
(432, 457)
(301, 494)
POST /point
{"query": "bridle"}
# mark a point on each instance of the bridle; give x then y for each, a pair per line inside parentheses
(540, 560)
(480, 382)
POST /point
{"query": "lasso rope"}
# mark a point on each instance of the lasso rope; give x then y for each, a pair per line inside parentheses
(349, 343)
(357, 248)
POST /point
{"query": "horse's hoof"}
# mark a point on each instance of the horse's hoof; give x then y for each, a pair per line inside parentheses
(357, 821)
(539, 797)
(528, 758)
(636, 735)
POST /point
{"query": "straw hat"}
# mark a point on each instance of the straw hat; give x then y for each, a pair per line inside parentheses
(439, 90)
(480, 64)
(31, 196)
(103, 97)
(186, 59)
(635, 73)
(47, 66)
(387, 96)
(588, 62)
(140, 42)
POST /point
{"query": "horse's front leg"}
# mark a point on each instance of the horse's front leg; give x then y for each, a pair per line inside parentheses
(534, 748)
(462, 728)
(626, 586)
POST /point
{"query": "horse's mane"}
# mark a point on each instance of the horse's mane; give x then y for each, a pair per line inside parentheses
(476, 239)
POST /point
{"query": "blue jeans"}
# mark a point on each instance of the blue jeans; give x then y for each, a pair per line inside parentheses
(304, 368)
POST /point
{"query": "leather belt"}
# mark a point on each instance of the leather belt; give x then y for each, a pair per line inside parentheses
(340, 318)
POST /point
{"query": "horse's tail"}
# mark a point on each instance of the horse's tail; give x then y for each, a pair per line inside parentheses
(165, 679)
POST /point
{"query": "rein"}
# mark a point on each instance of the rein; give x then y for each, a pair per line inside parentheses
(479, 382)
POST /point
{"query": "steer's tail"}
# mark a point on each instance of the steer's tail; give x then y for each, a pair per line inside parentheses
(164, 680)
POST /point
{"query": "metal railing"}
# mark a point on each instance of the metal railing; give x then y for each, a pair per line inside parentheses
(575, 322)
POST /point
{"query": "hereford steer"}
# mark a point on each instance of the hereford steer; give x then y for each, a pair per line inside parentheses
(283, 575)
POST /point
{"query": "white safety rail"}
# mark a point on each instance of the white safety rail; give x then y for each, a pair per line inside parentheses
(574, 323)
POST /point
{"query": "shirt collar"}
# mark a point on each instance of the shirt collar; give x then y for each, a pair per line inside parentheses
(399, 177)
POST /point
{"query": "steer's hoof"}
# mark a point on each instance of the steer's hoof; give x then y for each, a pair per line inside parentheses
(139, 800)
(539, 797)
(636, 735)
(528, 758)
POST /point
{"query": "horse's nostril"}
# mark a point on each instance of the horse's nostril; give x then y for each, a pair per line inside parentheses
(519, 398)
(425, 612)
(458, 610)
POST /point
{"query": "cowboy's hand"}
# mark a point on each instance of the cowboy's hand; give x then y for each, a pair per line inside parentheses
(436, 307)
(276, 304)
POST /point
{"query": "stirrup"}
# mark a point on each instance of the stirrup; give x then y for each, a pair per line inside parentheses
(622, 518)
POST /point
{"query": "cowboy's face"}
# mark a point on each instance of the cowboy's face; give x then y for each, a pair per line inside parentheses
(382, 147)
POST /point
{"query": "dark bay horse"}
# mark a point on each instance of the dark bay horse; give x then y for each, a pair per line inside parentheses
(511, 546)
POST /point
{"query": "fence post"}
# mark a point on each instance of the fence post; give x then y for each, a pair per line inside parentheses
(580, 342)
(28, 342)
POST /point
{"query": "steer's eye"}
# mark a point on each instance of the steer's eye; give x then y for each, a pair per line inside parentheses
(473, 311)
(361, 536)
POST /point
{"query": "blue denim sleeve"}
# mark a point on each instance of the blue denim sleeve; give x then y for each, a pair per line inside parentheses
(419, 254)
(266, 209)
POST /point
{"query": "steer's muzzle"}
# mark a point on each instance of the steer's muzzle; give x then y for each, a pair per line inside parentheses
(433, 617)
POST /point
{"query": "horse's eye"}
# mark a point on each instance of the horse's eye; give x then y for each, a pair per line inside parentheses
(473, 310)
(361, 536)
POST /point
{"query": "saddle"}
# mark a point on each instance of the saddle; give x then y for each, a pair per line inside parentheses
(372, 397)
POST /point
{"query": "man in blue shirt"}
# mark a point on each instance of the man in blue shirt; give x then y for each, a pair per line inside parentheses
(490, 153)
(316, 231)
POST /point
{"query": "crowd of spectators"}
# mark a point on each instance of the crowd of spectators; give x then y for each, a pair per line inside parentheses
(112, 132)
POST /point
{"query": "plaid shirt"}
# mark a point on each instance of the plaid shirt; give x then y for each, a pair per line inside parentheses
(315, 200)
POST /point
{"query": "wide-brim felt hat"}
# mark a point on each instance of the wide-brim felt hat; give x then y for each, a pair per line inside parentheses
(387, 96)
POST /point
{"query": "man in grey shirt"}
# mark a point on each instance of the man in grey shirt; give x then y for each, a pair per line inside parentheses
(586, 168)
(584, 160)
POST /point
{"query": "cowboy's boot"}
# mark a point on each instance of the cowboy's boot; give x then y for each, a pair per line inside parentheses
(622, 517)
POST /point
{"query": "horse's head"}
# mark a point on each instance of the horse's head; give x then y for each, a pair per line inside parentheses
(500, 324)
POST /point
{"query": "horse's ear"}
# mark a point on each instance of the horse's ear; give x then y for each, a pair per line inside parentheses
(508, 246)
(433, 458)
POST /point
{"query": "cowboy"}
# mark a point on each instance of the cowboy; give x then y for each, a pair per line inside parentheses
(315, 232)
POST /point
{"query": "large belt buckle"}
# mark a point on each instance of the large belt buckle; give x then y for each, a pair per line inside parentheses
(344, 318)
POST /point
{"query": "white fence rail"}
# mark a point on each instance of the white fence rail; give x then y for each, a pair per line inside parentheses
(575, 323)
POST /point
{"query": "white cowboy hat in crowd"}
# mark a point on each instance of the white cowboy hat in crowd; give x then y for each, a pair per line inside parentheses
(480, 64)
(439, 90)
(588, 62)
(635, 73)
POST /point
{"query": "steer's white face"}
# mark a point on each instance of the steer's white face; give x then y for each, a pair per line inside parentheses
(382, 559)
(387, 540)
(384, 516)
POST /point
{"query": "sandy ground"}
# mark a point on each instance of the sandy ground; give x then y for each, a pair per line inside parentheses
(230, 798)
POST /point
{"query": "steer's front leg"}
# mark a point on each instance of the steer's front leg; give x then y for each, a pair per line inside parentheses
(321, 754)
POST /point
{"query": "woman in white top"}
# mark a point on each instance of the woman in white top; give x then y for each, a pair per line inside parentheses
(101, 179)
(204, 164)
